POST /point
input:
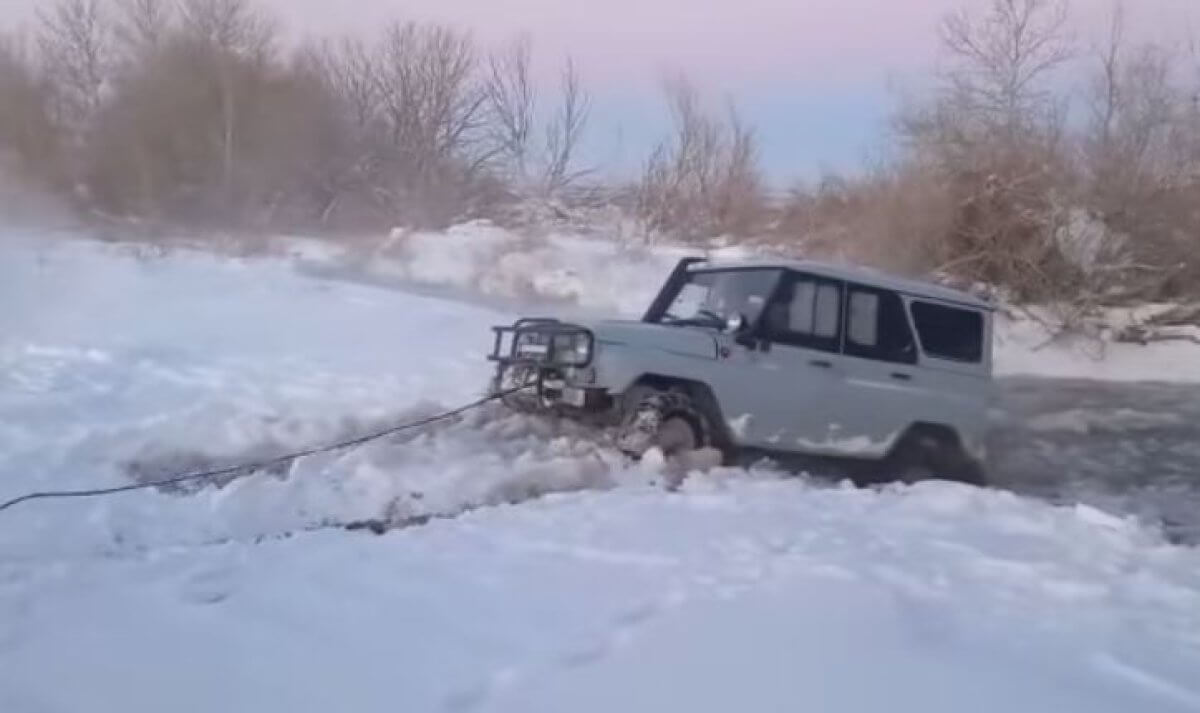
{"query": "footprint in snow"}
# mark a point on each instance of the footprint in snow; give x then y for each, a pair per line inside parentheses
(624, 627)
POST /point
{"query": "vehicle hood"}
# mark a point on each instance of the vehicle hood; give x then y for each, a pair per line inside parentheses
(687, 341)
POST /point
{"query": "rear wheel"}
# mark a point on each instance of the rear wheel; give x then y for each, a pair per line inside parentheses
(923, 456)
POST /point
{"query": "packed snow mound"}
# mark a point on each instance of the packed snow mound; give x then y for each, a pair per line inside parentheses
(115, 370)
(566, 270)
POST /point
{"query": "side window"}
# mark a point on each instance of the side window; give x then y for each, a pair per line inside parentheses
(862, 323)
(949, 332)
(877, 327)
(806, 313)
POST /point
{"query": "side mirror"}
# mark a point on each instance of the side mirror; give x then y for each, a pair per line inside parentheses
(735, 324)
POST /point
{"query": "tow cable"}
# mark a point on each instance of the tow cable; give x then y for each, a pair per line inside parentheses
(250, 469)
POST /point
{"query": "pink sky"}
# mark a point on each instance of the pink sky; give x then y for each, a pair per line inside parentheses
(811, 75)
(727, 42)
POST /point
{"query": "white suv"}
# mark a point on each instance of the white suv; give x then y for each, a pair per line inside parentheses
(787, 359)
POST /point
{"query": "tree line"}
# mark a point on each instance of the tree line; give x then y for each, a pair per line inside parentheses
(1038, 162)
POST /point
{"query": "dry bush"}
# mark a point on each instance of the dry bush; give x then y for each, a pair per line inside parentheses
(191, 122)
(994, 137)
(1140, 163)
(704, 180)
(891, 219)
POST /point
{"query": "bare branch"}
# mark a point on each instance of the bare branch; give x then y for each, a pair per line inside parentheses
(1001, 59)
(566, 132)
(234, 26)
(704, 180)
(75, 46)
(511, 103)
(141, 25)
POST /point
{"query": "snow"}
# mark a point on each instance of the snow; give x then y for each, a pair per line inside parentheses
(764, 596)
(1022, 349)
(739, 591)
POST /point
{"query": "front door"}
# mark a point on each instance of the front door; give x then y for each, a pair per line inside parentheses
(776, 384)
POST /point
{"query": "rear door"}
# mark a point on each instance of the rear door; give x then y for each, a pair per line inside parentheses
(881, 387)
(777, 391)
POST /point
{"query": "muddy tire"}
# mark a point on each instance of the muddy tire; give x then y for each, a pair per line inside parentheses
(667, 420)
(931, 456)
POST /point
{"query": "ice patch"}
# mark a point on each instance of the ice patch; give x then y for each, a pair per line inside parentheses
(850, 445)
(1085, 421)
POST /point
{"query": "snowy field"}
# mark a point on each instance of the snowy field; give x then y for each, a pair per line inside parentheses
(741, 592)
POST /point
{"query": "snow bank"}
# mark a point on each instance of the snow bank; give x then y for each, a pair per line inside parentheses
(1027, 348)
(565, 270)
(726, 596)
(597, 277)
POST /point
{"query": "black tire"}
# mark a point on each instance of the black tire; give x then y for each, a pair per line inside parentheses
(924, 456)
(667, 420)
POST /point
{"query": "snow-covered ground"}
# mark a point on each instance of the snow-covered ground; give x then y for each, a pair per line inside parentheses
(742, 591)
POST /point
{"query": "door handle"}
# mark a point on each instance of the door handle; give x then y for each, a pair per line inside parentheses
(900, 376)
(821, 363)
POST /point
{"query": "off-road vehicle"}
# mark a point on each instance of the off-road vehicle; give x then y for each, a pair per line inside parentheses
(785, 359)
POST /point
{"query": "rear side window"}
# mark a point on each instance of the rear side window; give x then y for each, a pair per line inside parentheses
(877, 327)
(950, 333)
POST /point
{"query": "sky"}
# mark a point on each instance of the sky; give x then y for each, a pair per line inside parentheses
(817, 78)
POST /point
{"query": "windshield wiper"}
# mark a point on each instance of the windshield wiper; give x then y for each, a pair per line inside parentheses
(710, 319)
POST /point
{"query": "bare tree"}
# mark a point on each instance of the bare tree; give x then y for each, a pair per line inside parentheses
(996, 136)
(353, 171)
(350, 70)
(511, 102)
(434, 109)
(141, 25)
(28, 137)
(513, 108)
(1134, 106)
(565, 132)
(75, 47)
(235, 26)
(236, 36)
(704, 180)
(1001, 59)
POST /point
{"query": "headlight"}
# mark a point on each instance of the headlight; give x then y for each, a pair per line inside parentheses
(531, 344)
(574, 349)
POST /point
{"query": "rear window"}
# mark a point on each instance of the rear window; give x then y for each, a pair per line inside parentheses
(949, 332)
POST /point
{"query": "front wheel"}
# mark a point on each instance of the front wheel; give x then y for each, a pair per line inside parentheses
(666, 420)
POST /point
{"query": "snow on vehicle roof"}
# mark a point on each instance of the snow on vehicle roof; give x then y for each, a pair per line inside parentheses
(856, 273)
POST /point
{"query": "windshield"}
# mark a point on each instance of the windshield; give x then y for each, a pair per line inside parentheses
(711, 297)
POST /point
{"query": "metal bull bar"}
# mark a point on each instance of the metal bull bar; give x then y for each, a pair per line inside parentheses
(537, 342)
